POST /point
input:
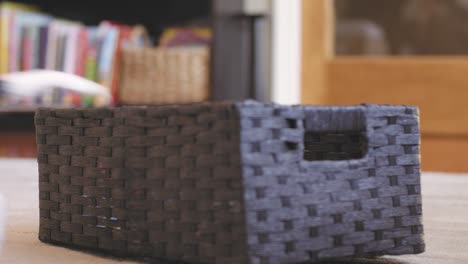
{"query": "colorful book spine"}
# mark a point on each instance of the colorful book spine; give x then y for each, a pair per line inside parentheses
(76, 99)
(71, 47)
(87, 100)
(91, 54)
(34, 33)
(53, 35)
(15, 42)
(81, 52)
(5, 18)
(67, 99)
(110, 37)
(26, 49)
(42, 47)
(59, 96)
(60, 58)
(123, 40)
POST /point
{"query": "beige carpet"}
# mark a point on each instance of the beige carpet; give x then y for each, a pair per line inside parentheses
(445, 205)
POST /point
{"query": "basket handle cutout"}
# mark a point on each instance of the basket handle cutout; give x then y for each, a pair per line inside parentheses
(335, 133)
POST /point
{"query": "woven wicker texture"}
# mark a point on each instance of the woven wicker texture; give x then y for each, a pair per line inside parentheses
(232, 183)
(299, 210)
(161, 182)
(164, 75)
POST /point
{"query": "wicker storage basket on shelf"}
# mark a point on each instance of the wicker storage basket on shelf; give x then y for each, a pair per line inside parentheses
(232, 182)
(164, 75)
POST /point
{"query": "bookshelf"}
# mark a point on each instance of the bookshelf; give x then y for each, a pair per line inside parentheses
(14, 110)
(17, 135)
(155, 15)
(235, 67)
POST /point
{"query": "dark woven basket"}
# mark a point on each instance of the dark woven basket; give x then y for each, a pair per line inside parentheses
(232, 182)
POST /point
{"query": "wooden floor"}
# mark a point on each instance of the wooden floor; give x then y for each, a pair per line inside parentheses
(445, 205)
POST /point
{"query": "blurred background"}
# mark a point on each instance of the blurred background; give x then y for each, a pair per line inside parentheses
(322, 52)
(401, 27)
(393, 52)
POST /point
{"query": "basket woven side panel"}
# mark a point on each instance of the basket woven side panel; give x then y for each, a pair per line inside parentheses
(159, 182)
(305, 201)
(163, 76)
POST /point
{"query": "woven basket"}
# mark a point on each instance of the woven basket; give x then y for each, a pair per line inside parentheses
(232, 182)
(164, 75)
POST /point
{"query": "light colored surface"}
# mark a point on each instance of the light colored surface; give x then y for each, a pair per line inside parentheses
(2, 221)
(19, 185)
(445, 205)
(445, 209)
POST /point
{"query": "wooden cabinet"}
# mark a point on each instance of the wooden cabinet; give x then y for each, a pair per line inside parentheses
(437, 85)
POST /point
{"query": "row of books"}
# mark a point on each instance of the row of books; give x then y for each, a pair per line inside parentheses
(30, 40)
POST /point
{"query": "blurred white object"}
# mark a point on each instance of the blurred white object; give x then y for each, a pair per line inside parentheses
(2, 221)
(35, 82)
